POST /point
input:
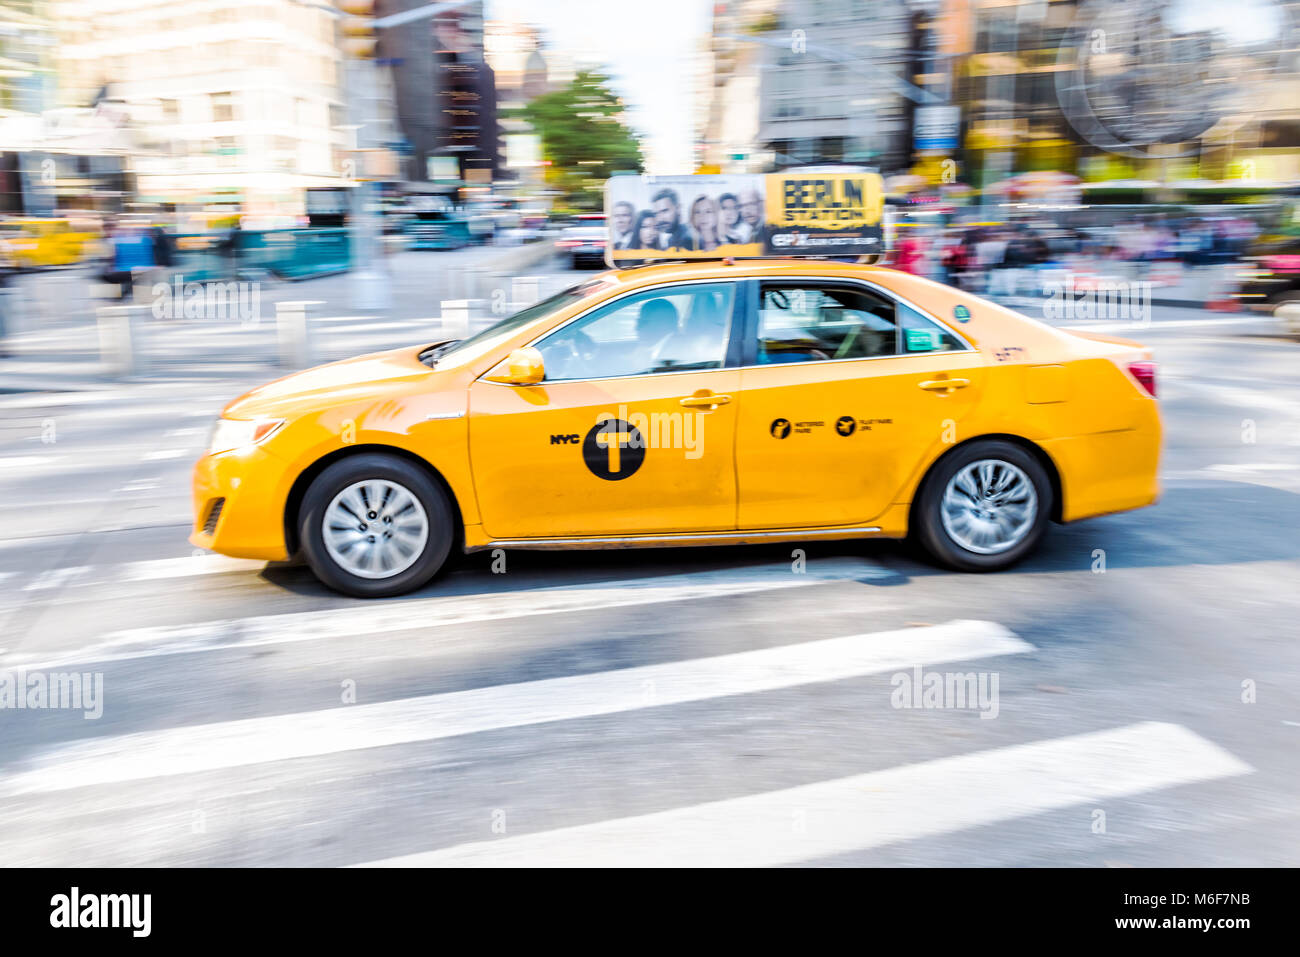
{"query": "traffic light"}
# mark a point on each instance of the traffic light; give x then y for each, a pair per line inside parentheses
(358, 28)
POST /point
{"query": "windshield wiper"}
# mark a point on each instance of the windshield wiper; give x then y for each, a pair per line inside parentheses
(435, 352)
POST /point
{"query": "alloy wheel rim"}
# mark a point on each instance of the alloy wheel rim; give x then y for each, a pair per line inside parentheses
(375, 528)
(989, 506)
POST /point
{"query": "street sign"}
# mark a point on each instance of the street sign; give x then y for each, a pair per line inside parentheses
(936, 127)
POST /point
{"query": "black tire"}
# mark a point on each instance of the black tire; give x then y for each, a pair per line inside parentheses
(376, 466)
(929, 529)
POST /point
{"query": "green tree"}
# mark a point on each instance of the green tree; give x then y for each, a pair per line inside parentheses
(584, 138)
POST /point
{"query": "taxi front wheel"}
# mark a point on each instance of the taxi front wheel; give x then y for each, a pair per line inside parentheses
(984, 507)
(375, 525)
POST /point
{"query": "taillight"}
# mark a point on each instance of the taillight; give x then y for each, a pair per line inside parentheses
(567, 243)
(1145, 373)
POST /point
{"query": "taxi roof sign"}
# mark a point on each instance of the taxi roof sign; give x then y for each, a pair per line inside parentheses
(744, 215)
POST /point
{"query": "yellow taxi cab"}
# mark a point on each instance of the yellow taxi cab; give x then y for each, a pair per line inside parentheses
(696, 403)
(34, 243)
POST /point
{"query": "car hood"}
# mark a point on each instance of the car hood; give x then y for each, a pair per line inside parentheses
(335, 382)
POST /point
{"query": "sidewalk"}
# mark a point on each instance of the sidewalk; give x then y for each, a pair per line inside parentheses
(54, 336)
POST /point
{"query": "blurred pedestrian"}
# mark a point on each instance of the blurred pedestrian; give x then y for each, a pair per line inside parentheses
(911, 254)
(955, 262)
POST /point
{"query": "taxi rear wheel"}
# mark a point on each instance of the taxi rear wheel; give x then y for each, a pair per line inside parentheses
(375, 525)
(984, 507)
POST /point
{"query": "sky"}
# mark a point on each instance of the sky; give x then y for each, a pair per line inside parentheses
(647, 46)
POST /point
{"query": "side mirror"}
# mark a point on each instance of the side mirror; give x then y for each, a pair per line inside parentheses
(522, 367)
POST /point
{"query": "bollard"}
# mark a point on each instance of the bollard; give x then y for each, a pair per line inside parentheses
(293, 332)
(121, 335)
(1289, 315)
(524, 291)
(474, 278)
(455, 318)
(7, 325)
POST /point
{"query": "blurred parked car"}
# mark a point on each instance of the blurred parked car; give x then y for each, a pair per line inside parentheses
(584, 240)
(1270, 274)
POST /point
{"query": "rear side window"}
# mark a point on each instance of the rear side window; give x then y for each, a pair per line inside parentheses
(809, 323)
(800, 322)
(916, 334)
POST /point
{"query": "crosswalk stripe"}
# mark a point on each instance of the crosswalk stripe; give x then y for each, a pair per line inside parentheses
(189, 750)
(56, 577)
(153, 569)
(24, 461)
(869, 810)
(375, 618)
(202, 564)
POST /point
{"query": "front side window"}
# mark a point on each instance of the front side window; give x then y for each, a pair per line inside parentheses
(661, 330)
(486, 339)
(803, 322)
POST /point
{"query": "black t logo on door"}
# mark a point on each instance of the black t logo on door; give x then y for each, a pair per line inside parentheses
(613, 449)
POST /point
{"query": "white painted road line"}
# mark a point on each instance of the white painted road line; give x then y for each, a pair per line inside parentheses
(202, 564)
(1123, 325)
(158, 455)
(372, 618)
(24, 461)
(56, 577)
(869, 810)
(190, 750)
(1253, 467)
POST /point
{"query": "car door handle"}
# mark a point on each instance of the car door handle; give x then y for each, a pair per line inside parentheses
(705, 401)
(943, 385)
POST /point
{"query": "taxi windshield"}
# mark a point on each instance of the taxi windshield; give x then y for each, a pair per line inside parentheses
(485, 339)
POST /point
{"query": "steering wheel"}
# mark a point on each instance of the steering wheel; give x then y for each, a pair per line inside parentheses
(573, 353)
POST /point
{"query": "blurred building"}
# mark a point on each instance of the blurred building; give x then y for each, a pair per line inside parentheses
(52, 158)
(228, 100)
(727, 87)
(514, 52)
(1132, 96)
(1129, 96)
(27, 41)
(793, 82)
(445, 93)
(829, 92)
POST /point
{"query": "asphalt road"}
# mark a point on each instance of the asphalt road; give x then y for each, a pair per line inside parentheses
(690, 706)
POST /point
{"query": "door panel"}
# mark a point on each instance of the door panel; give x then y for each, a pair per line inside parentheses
(631, 432)
(604, 457)
(828, 440)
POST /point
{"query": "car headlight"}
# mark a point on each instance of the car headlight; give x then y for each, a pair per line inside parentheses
(229, 434)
